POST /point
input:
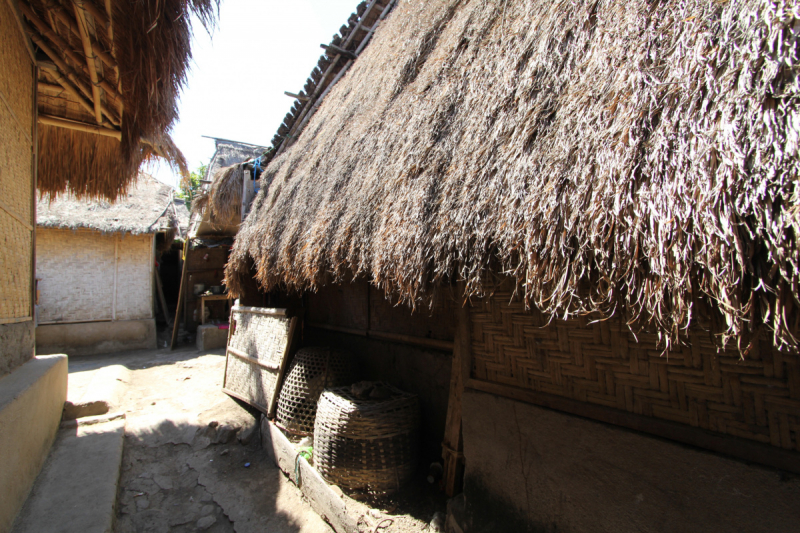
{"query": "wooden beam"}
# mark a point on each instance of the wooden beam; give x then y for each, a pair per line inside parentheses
(97, 50)
(45, 31)
(301, 98)
(333, 49)
(461, 365)
(181, 295)
(67, 86)
(91, 58)
(79, 126)
(752, 451)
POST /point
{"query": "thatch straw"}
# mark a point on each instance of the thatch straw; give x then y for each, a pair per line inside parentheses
(636, 157)
(225, 197)
(152, 45)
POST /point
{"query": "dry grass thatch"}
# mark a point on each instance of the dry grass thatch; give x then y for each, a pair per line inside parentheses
(151, 50)
(636, 157)
(225, 196)
(147, 207)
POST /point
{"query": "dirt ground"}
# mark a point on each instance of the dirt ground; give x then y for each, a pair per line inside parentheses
(191, 458)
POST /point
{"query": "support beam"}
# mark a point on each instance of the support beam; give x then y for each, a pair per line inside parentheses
(453, 445)
(49, 67)
(80, 16)
(45, 31)
(79, 126)
(70, 23)
(62, 69)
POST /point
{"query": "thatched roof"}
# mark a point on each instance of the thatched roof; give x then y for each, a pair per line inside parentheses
(110, 72)
(632, 157)
(147, 207)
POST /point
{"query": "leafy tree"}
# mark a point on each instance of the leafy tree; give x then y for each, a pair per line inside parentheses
(190, 188)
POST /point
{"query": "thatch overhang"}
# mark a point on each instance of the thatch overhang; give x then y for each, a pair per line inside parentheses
(146, 207)
(109, 75)
(613, 157)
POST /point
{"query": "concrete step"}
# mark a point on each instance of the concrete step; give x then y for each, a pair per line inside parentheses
(76, 490)
(101, 395)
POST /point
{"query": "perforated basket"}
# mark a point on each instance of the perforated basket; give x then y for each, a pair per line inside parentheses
(311, 371)
(367, 445)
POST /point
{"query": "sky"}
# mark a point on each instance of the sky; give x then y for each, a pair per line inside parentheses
(258, 50)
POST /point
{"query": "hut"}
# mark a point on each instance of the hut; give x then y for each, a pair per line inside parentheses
(596, 205)
(97, 282)
(217, 211)
(88, 90)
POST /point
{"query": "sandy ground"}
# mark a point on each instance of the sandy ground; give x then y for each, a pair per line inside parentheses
(191, 459)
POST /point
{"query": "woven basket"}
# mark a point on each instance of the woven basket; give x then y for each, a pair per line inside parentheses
(367, 445)
(312, 370)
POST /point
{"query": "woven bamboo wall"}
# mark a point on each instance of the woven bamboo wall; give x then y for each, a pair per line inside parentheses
(135, 277)
(602, 363)
(16, 174)
(76, 276)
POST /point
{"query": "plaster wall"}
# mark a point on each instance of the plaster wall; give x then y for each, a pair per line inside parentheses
(31, 400)
(531, 469)
(90, 338)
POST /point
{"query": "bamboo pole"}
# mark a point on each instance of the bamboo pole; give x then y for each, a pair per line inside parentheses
(110, 28)
(62, 68)
(79, 126)
(70, 23)
(67, 86)
(91, 58)
(47, 32)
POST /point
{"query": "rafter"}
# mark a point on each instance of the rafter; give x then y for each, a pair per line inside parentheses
(47, 32)
(70, 23)
(91, 59)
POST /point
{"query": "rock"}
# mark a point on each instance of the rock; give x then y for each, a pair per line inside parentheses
(205, 522)
(224, 434)
(248, 433)
(374, 513)
(207, 510)
(142, 503)
(437, 523)
(164, 482)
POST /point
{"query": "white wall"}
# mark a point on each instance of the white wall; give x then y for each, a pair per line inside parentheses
(80, 280)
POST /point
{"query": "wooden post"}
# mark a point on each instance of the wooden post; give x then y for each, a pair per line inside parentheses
(453, 445)
(181, 296)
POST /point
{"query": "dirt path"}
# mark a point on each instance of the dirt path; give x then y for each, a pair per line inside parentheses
(192, 459)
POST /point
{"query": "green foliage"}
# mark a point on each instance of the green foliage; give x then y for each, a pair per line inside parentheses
(188, 190)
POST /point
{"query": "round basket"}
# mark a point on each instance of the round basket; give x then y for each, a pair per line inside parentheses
(367, 445)
(311, 371)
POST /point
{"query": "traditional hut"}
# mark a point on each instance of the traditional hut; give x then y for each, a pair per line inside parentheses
(597, 203)
(88, 91)
(217, 211)
(97, 282)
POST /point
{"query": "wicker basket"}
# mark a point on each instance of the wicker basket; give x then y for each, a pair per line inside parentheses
(367, 445)
(312, 370)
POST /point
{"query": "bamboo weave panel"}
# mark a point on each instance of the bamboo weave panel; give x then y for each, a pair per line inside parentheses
(602, 363)
(15, 268)
(264, 338)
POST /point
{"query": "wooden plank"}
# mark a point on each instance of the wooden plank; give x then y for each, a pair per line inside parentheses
(162, 301)
(15, 320)
(252, 360)
(290, 346)
(258, 310)
(181, 291)
(424, 342)
(453, 444)
(735, 447)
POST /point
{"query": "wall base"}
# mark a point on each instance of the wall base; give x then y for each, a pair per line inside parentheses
(31, 400)
(533, 469)
(91, 338)
(16, 345)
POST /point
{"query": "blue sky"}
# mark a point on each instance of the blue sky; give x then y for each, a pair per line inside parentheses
(259, 49)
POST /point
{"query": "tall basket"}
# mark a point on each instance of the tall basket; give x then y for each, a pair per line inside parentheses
(311, 371)
(367, 445)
